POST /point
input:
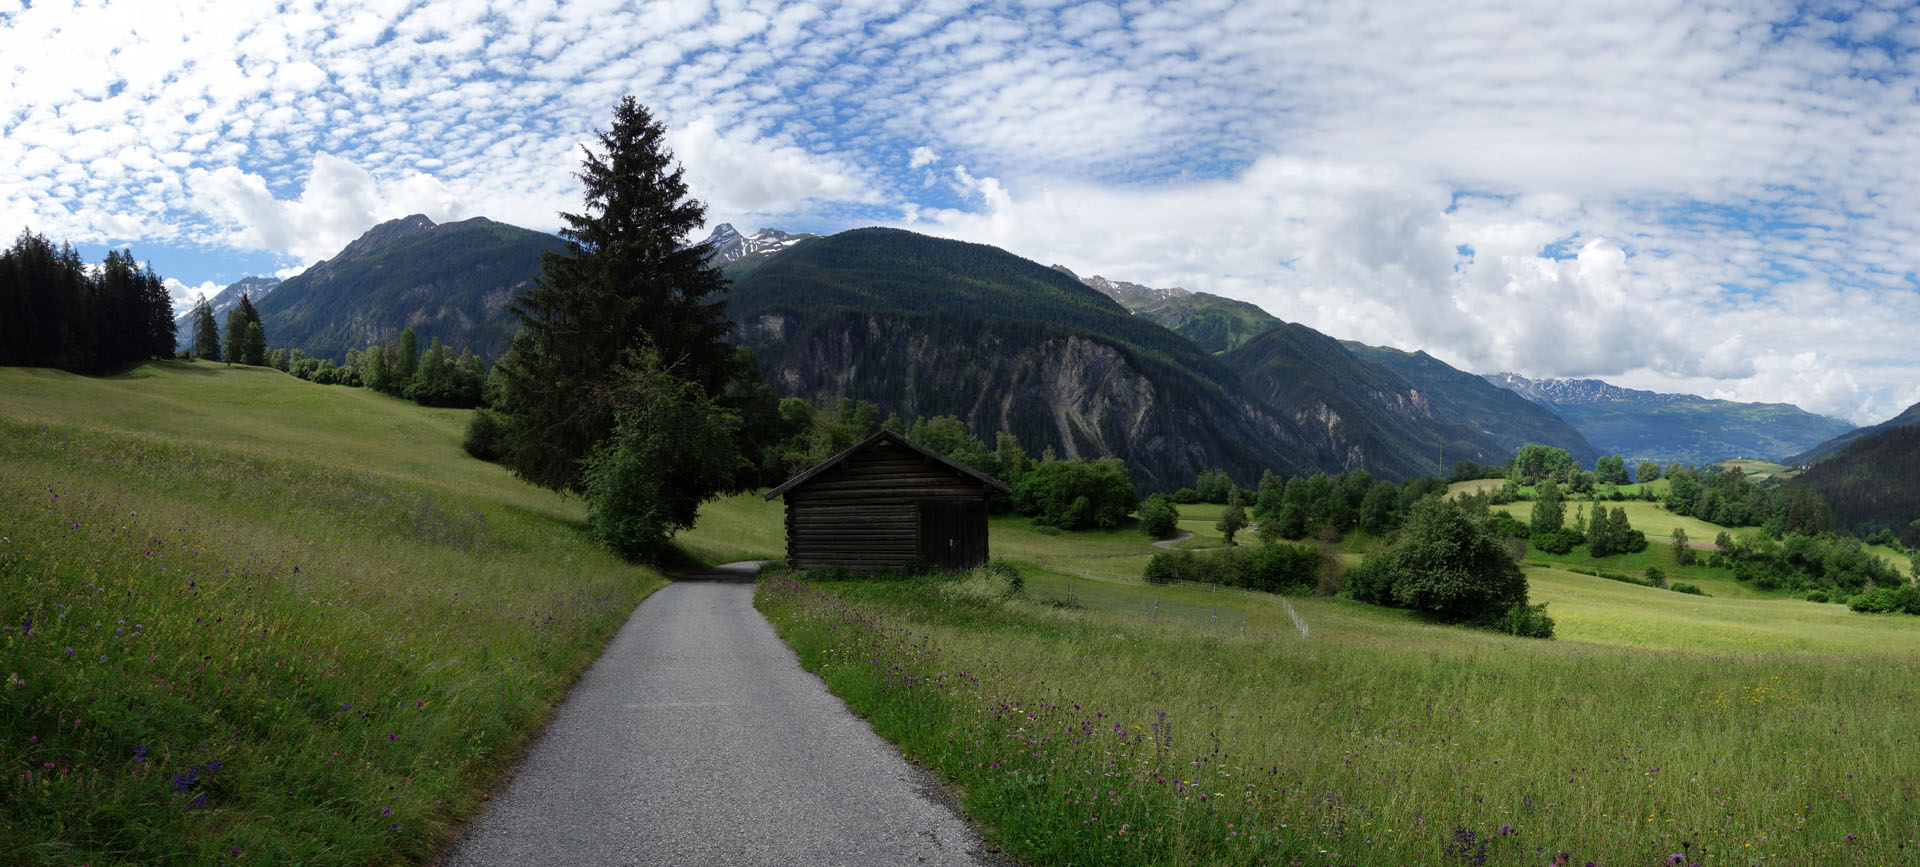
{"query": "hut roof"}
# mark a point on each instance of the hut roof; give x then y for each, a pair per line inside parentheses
(869, 442)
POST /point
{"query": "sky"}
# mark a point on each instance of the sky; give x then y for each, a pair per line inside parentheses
(1711, 198)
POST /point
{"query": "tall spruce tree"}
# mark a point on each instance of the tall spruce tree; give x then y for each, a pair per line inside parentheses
(238, 319)
(206, 333)
(628, 280)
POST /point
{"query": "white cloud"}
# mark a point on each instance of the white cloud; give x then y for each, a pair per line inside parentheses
(1679, 196)
(738, 173)
(340, 202)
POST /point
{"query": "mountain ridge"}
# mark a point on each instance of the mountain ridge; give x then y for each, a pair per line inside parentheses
(1647, 425)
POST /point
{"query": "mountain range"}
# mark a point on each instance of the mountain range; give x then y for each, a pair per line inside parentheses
(1646, 425)
(1909, 418)
(1171, 381)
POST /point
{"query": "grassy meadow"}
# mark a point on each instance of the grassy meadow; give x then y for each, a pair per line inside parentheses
(1090, 718)
(253, 619)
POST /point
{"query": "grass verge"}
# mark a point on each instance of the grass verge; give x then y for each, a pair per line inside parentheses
(1087, 735)
(252, 619)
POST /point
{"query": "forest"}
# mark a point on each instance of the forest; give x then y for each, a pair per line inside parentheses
(58, 311)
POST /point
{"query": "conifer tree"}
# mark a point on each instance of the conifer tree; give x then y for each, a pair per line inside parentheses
(409, 357)
(627, 280)
(236, 338)
(206, 333)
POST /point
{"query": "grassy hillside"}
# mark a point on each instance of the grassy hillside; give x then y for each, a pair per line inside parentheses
(1093, 719)
(252, 618)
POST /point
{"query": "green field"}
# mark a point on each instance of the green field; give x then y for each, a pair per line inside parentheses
(251, 618)
(1728, 730)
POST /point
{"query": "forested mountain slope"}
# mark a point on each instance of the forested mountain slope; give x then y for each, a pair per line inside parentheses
(450, 281)
(925, 326)
(1909, 418)
(1873, 483)
(1646, 425)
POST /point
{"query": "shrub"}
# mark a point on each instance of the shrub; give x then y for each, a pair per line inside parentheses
(1076, 495)
(1815, 596)
(1269, 568)
(1684, 587)
(1186, 496)
(1526, 621)
(1656, 577)
(1158, 518)
(1561, 541)
(1446, 562)
(999, 568)
(486, 435)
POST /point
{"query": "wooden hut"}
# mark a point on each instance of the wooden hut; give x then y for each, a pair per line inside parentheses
(887, 503)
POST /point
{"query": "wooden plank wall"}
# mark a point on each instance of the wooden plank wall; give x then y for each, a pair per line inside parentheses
(865, 513)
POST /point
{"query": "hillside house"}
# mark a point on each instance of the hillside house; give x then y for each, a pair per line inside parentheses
(887, 503)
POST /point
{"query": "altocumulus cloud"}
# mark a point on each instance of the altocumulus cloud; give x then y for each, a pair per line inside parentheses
(1686, 196)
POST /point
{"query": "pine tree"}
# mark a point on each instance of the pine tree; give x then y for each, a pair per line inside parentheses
(409, 358)
(253, 345)
(206, 334)
(627, 280)
(236, 339)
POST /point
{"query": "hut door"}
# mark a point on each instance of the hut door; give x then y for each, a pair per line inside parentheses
(953, 533)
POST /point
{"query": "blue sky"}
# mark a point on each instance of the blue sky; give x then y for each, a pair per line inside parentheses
(1703, 197)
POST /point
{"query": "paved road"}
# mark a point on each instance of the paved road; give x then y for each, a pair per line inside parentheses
(697, 739)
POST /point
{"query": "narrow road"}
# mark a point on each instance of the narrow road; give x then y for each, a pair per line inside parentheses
(697, 739)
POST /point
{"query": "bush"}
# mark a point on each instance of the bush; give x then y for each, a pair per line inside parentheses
(486, 435)
(1269, 568)
(1561, 541)
(1447, 562)
(1656, 577)
(1158, 518)
(1904, 599)
(1186, 496)
(672, 449)
(999, 568)
(1815, 596)
(1526, 621)
(1076, 495)
(1684, 587)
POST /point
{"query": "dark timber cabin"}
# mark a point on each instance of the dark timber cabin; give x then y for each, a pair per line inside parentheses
(887, 503)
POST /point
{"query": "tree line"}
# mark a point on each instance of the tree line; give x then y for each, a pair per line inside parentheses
(57, 311)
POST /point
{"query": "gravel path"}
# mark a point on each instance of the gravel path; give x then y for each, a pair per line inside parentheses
(697, 739)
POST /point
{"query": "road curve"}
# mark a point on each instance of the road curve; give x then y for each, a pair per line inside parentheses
(696, 738)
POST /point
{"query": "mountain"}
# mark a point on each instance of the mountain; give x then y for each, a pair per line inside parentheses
(450, 281)
(1213, 322)
(1410, 411)
(1456, 397)
(1873, 482)
(1910, 418)
(925, 326)
(1645, 425)
(256, 288)
(738, 253)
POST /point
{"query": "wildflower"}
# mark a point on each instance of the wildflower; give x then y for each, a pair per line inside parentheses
(386, 811)
(1850, 838)
(392, 736)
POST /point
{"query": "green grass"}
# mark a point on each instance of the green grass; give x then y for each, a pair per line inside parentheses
(291, 621)
(1733, 730)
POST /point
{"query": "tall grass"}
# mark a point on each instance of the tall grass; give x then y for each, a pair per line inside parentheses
(248, 618)
(1089, 736)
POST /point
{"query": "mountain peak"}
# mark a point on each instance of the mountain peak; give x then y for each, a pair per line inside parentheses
(384, 234)
(1134, 296)
(729, 245)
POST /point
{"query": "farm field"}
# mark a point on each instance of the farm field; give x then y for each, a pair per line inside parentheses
(1725, 730)
(253, 619)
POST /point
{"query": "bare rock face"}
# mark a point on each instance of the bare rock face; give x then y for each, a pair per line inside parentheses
(1079, 396)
